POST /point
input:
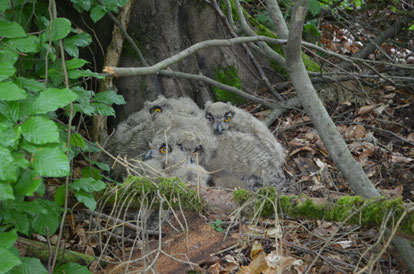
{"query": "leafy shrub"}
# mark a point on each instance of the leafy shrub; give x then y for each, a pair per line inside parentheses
(33, 142)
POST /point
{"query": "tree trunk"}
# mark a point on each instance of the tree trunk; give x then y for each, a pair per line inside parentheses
(164, 28)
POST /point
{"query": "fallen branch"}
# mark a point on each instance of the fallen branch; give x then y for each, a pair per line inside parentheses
(40, 250)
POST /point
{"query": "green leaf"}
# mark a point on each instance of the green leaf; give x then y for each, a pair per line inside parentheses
(18, 219)
(4, 4)
(10, 110)
(32, 207)
(29, 266)
(51, 99)
(29, 44)
(109, 97)
(60, 29)
(41, 221)
(6, 191)
(77, 140)
(88, 184)
(7, 239)
(86, 198)
(30, 84)
(9, 136)
(51, 162)
(11, 29)
(75, 63)
(40, 130)
(83, 4)
(8, 260)
(77, 73)
(8, 55)
(72, 268)
(314, 7)
(97, 13)
(28, 183)
(85, 109)
(60, 195)
(6, 70)
(104, 109)
(8, 168)
(78, 40)
(9, 91)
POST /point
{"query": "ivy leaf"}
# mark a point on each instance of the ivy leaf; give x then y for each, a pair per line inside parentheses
(7, 239)
(86, 198)
(51, 162)
(6, 70)
(6, 191)
(88, 184)
(78, 40)
(9, 91)
(29, 44)
(29, 266)
(40, 130)
(8, 169)
(11, 29)
(51, 99)
(60, 29)
(97, 13)
(8, 260)
(109, 97)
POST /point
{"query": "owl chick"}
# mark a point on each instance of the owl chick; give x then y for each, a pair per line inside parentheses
(246, 150)
(132, 137)
(170, 156)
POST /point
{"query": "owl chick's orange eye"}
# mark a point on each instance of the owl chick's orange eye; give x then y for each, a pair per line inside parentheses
(156, 109)
(210, 118)
(164, 149)
(227, 119)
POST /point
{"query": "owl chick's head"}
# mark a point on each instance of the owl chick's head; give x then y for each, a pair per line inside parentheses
(182, 105)
(220, 116)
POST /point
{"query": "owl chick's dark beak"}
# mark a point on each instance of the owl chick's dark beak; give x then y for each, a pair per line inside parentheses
(148, 155)
(219, 129)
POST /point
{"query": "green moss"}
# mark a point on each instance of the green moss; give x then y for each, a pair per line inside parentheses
(135, 189)
(372, 212)
(229, 76)
(241, 195)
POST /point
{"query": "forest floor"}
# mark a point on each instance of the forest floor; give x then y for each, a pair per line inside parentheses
(376, 122)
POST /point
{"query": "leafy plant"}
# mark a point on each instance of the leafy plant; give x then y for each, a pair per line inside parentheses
(217, 226)
(34, 107)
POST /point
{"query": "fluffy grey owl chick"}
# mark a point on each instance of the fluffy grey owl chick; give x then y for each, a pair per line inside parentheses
(132, 136)
(247, 150)
(173, 159)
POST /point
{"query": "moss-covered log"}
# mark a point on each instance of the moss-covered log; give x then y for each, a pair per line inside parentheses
(41, 251)
(371, 211)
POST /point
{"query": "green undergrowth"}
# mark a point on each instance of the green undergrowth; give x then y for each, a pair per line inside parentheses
(136, 189)
(372, 211)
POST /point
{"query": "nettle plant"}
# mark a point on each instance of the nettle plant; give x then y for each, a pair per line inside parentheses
(34, 110)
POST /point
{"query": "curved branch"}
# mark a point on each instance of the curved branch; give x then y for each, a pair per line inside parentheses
(187, 52)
